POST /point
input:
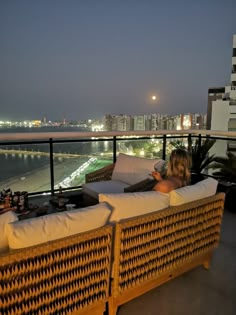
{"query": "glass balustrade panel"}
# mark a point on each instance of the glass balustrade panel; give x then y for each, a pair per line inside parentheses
(25, 167)
(72, 160)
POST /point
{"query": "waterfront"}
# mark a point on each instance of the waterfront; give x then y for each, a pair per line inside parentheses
(30, 171)
(67, 174)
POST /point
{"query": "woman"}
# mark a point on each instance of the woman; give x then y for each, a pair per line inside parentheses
(178, 172)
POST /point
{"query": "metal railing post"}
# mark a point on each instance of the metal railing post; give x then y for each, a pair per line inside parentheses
(51, 165)
(164, 148)
(189, 143)
(199, 140)
(114, 149)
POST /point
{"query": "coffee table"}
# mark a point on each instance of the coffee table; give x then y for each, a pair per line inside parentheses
(47, 205)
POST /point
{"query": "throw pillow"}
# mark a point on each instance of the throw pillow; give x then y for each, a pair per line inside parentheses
(131, 170)
(133, 204)
(5, 218)
(38, 230)
(202, 189)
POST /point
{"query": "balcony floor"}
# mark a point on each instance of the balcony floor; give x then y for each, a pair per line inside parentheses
(200, 291)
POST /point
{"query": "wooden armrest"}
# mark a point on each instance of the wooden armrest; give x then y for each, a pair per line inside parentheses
(103, 173)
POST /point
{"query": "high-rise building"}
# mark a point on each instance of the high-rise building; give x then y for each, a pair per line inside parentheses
(139, 122)
(222, 115)
(154, 122)
(123, 122)
(214, 94)
(108, 122)
(224, 106)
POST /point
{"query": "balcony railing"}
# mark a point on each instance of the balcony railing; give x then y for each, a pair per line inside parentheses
(40, 162)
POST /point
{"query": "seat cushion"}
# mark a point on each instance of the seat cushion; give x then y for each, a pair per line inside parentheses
(38, 230)
(93, 189)
(131, 169)
(202, 189)
(134, 204)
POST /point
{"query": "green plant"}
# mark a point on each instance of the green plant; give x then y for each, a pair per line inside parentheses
(177, 144)
(226, 173)
(225, 167)
(200, 155)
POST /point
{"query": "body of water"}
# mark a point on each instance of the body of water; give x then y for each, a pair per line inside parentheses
(15, 166)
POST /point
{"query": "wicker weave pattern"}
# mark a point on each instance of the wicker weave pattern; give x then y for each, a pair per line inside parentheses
(61, 277)
(104, 173)
(153, 245)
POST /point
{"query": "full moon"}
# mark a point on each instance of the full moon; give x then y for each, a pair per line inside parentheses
(154, 97)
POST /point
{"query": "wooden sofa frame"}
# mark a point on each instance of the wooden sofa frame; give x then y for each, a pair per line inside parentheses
(73, 275)
(104, 173)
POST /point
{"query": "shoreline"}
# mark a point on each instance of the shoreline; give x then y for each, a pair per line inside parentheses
(39, 180)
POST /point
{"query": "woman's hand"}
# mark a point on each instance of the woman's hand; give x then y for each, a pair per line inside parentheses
(156, 175)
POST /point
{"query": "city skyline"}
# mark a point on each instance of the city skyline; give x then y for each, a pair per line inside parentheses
(80, 60)
(120, 123)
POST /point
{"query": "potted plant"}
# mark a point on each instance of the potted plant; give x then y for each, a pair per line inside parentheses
(200, 155)
(225, 171)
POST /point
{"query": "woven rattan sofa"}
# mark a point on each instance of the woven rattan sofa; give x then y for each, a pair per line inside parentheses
(64, 276)
(155, 248)
(106, 267)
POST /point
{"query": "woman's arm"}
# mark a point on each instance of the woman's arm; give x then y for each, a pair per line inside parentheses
(157, 175)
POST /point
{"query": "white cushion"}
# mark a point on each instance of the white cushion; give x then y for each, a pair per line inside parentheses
(34, 231)
(202, 189)
(107, 186)
(5, 218)
(131, 170)
(134, 204)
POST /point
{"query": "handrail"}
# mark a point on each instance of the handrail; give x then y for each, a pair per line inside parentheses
(81, 134)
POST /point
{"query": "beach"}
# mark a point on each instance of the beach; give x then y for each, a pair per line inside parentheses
(73, 170)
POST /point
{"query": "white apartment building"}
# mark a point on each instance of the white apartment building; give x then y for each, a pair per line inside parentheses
(139, 122)
(190, 121)
(123, 122)
(153, 121)
(223, 106)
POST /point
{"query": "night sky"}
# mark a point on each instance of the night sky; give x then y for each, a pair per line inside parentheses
(83, 59)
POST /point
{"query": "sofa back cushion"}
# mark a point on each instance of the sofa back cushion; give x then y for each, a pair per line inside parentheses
(5, 218)
(134, 204)
(131, 170)
(202, 189)
(46, 228)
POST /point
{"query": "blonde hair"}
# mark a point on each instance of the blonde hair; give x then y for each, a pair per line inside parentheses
(179, 165)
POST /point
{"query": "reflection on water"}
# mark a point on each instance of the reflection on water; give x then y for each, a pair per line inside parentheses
(17, 164)
(14, 165)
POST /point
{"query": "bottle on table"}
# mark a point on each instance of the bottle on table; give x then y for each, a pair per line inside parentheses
(61, 199)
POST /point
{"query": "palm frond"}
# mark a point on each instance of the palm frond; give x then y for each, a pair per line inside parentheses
(225, 167)
(200, 155)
